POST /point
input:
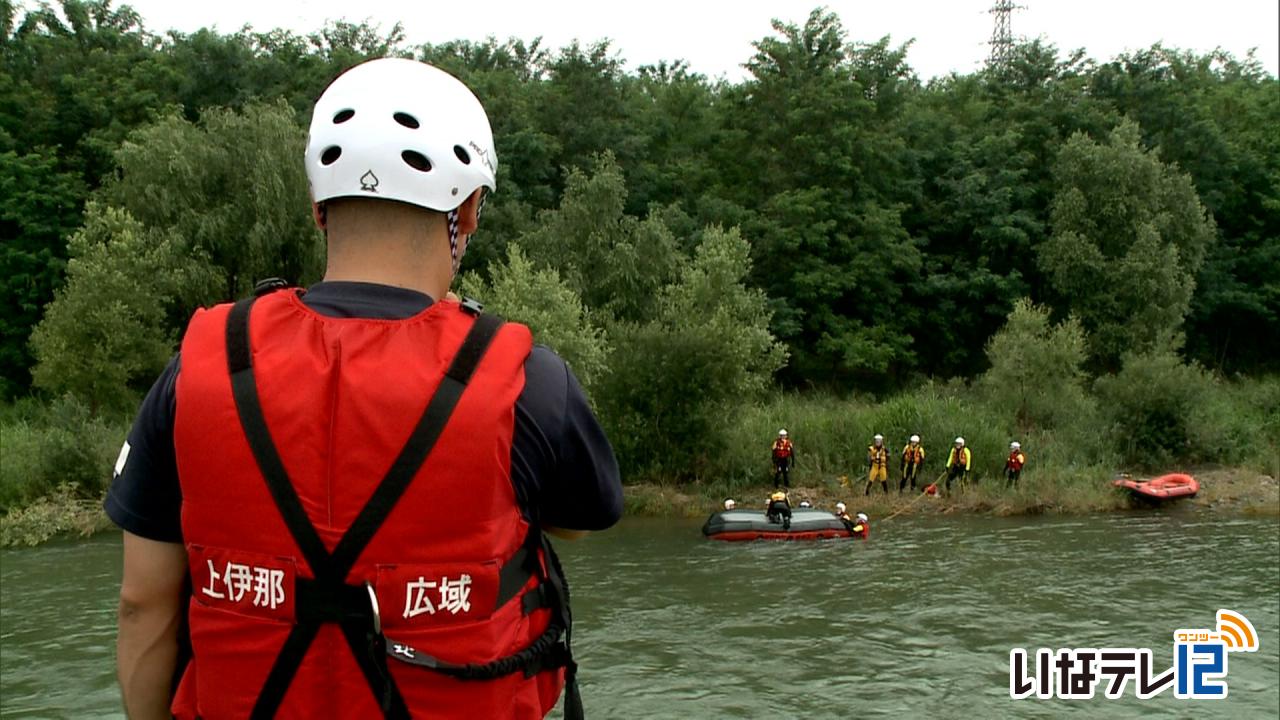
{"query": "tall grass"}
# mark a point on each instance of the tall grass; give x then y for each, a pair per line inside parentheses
(44, 447)
(831, 436)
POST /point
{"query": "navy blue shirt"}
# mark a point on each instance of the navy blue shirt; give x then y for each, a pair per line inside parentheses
(562, 466)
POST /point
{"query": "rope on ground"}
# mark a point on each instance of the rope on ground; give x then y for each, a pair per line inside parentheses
(913, 502)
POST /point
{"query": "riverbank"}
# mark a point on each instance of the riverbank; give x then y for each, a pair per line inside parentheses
(1227, 490)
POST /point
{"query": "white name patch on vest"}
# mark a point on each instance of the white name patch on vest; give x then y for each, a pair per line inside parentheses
(247, 583)
(420, 596)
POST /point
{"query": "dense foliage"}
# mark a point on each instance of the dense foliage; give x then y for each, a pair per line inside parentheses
(831, 221)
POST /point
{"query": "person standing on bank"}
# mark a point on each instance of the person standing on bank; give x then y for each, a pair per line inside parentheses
(878, 464)
(1013, 465)
(958, 463)
(356, 479)
(784, 456)
(912, 461)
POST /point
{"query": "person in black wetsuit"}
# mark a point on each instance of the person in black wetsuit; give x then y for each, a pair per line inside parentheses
(779, 509)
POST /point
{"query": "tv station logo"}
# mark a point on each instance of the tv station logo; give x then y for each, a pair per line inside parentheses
(1199, 669)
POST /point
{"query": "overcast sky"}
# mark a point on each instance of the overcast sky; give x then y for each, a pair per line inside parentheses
(715, 37)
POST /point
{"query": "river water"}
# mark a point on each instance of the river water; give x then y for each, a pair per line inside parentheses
(917, 621)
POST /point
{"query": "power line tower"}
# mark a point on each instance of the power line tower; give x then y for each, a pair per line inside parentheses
(1001, 34)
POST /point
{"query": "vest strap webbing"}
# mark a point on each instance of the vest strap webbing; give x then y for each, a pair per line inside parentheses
(329, 590)
(553, 649)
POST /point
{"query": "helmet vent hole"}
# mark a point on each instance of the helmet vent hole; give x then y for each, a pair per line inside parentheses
(343, 116)
(416, 160)
(406, 120)
(462, 154)
(330, 155)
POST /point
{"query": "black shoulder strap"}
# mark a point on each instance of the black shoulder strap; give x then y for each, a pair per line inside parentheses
(415, 451)
(330, 570)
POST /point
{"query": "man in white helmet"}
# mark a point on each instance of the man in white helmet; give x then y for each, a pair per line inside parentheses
(1013, 465)
(912, 461)
(783, 454)
(958, 463)
(355, 479)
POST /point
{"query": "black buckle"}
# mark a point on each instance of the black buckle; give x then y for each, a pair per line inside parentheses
(320, 602)
(269, 285)
(472, 305)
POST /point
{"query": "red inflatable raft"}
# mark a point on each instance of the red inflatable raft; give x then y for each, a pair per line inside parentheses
(1165, 487)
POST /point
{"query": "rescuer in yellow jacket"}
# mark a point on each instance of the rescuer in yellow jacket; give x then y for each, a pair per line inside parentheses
(958, 463)
(878, 461)
(912, 461)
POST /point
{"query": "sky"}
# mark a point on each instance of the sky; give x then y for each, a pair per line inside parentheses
(715, 37)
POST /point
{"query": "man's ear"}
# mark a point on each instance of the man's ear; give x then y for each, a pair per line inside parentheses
(317, 212)
(469, 213)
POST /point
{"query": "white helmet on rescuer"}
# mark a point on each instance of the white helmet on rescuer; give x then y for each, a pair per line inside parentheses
(403, 130)
(1015, 445)
(915, 438)
(878, 438)
(862, 517)
(782, 433)
(729, 504)
(959, 441)
(839, 507)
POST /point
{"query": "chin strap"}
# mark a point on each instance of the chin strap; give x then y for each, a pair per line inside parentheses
(452, 220)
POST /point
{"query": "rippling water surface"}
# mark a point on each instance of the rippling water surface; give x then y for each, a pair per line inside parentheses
(915, 622)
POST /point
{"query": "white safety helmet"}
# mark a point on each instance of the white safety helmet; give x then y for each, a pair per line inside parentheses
(806, 504)
(839, 507)
(399, 129)
(729, 504)
(960, 441)
(863, 517)
(915, 438)
(782, 432)
(878, 438)
(1015, 445)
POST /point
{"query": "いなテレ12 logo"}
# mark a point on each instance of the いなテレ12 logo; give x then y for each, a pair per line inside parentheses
(1199, 669)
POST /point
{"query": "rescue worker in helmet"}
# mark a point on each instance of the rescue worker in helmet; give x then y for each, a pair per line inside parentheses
(784, 455)
(958, 463)
(861, 526)
(778, 509)
(729, 504)
(858, 526)
(878, 465)
(1013, 465)
(843, 513)
(262, 509)
(912, 461)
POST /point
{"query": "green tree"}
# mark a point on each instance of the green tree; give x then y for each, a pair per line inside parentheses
(1129, 236)
(615, 262)
(1036, 367)
(233, 188)
(674, 379)
(817, 159)
(40, 205)
(1155, 403)
(552, 310)
(105, 330)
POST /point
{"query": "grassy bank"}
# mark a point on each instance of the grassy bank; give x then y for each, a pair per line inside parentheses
(1228, 490)
(56, 458)
(55, 466)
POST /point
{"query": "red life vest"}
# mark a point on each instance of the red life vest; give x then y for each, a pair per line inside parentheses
(781, 449)
(342, 401)
(1015, 461)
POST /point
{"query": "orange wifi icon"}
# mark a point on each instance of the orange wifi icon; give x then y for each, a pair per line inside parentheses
(1237, 632)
